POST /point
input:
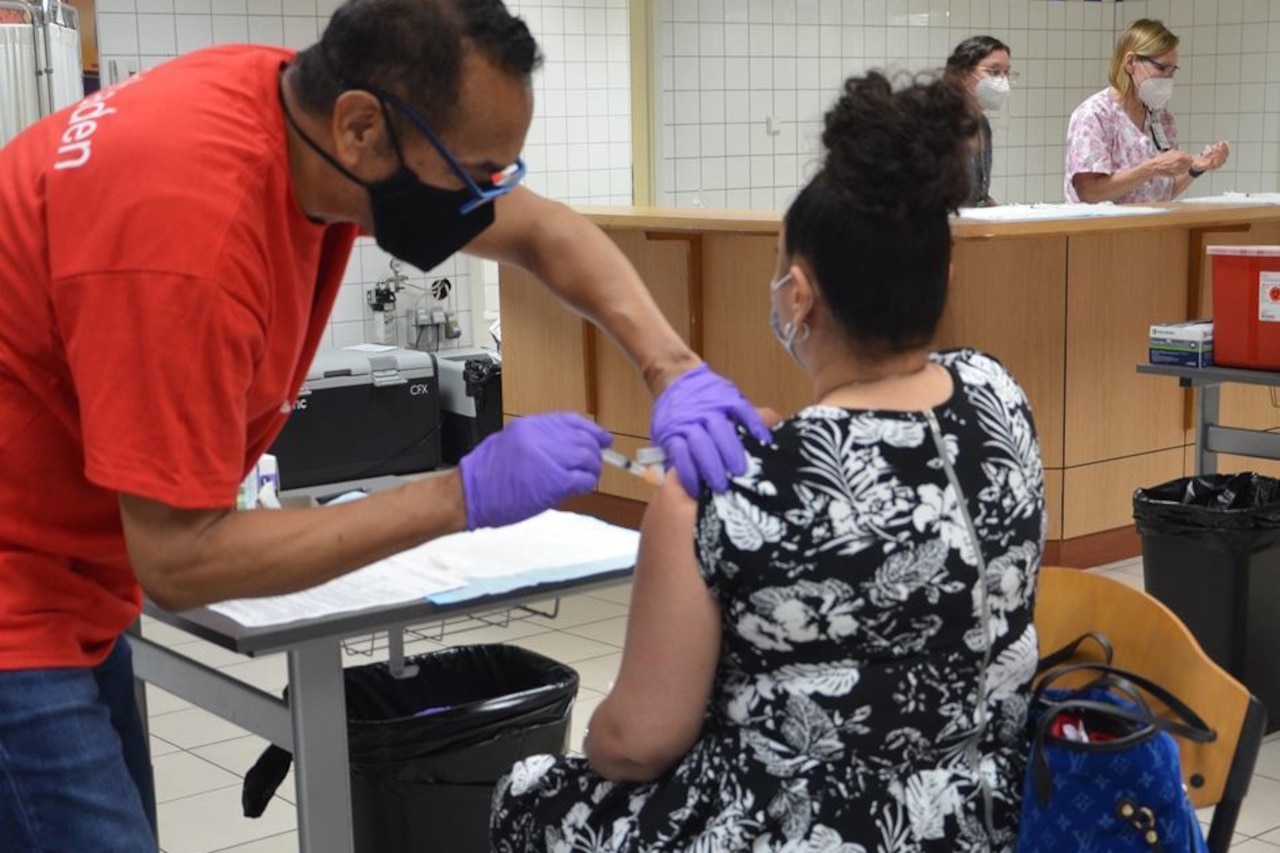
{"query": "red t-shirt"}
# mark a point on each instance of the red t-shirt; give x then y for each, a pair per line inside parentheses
(163, 295)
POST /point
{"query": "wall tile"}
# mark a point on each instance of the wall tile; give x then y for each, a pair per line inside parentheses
(117, 33)
(1062, 49)
(157, 35)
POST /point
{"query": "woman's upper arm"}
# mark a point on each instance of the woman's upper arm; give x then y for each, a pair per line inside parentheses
(673, 637)
(1088, 144)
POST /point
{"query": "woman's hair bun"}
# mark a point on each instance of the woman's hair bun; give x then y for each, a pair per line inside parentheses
(900, 151)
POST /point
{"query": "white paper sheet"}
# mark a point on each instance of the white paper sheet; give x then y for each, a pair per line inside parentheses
(553, 546)
(1037, 212)
(1233, 198)
(369, 348)
(547, 541)
(384, 583)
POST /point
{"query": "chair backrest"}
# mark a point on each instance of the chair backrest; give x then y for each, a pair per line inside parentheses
(1150, 640)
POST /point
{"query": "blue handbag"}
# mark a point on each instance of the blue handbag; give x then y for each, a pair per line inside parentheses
(1120, 791)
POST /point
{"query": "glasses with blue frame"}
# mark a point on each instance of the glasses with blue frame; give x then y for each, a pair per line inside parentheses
(500, 182)
(1165, 68)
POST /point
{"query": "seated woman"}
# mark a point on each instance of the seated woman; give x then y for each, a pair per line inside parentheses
(835, 655)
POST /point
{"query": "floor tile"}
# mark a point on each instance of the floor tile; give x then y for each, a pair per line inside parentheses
(209, 654)
(236, 755)
(239, 755)
(1261, 810)
(1134, 581)
(1135, 569)
(285, 843)
(1272, 837)
(214, 821)
(182, 774)
(598, 673)
(270, 673)
(579, 610)
(161, 747)
(1253, 845)
(620, 594)
(563, 647)
(1269, 761)
(582, 712)
(163, 702)
(194, 727)
(612, 631)
(1119, 565)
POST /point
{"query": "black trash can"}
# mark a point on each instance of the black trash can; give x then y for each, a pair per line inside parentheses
(1211, 553)
(427, 750)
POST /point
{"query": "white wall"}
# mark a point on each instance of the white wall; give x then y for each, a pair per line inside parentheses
(579, 147)
(727, 66)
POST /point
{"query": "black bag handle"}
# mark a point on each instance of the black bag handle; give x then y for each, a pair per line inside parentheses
(1114, 678)
(1068, 651)
(1102, 682)
(1174, 704)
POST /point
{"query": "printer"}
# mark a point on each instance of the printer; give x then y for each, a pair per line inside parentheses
(470, 399)
(363, 412)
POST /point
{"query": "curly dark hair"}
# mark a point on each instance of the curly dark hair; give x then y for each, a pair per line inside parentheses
(973, 50)
(413, 49)
(872, 224)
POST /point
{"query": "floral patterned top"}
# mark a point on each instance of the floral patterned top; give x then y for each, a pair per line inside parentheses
(1101, 138)
(873, 682)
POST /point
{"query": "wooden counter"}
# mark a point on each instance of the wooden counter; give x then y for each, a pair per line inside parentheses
(1064, 304)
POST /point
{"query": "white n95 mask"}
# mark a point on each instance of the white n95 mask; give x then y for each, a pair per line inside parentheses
(1155, 92)
(992, 92)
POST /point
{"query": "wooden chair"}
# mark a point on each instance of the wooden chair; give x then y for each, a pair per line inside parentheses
(1151, 641)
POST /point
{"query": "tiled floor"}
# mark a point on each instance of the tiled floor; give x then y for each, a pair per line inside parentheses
(200, 760)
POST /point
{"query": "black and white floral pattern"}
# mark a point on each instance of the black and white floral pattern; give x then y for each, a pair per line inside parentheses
(863, 703)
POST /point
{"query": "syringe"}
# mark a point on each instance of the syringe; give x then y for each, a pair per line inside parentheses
(651, 474)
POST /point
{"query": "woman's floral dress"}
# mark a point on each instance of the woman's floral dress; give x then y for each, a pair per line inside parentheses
(872, 687)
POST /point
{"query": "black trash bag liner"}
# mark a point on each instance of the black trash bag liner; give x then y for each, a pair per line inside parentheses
(1239, 513)
(464, 718)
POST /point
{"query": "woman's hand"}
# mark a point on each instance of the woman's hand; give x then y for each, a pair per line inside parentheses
(1213, 157)
(1172, 163)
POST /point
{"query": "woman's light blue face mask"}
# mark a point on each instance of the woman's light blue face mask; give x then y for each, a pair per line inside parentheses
(785, 334)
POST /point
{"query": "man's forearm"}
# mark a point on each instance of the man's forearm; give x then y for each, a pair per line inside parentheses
(583, 268)
(187, 558)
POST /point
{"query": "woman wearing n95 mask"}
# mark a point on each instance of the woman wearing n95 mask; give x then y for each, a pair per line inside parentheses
(1122, 143)
(982, 64)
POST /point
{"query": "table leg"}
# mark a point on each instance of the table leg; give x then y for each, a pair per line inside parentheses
(317, 700)
(1206, 416)
(140, 698)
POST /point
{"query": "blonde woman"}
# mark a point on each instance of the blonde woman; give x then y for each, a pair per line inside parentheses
(1122, 143)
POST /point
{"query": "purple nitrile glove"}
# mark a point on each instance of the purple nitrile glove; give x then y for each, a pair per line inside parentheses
(693, 421)
(531, 466)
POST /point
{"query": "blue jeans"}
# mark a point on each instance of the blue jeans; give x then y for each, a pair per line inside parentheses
(75, 768)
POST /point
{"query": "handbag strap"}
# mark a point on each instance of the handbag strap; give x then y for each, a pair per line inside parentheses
(1192, 728)
(1068, 651)
(1176, 705)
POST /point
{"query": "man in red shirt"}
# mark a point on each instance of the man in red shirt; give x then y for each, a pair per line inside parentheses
(171, 251)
